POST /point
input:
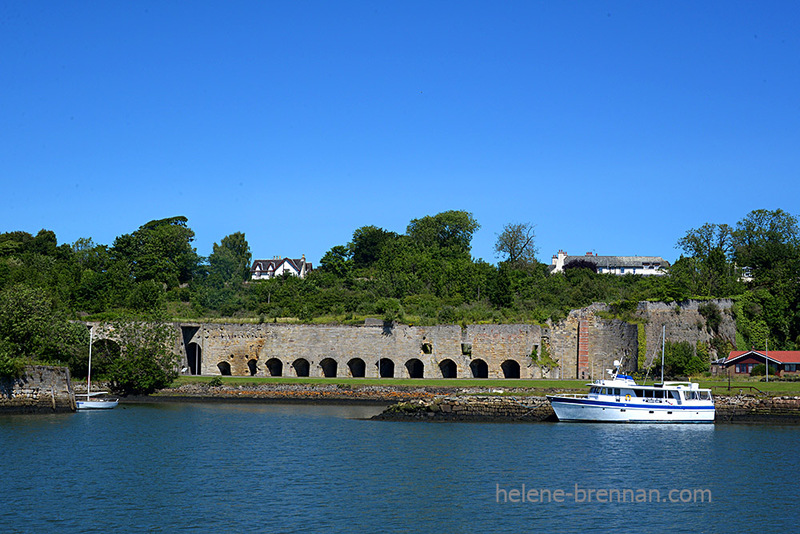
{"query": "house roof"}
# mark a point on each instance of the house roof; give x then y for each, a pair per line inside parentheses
(776, 356)
(619, 261)
(271, 265)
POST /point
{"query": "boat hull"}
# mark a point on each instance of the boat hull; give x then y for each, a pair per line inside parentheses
(96, 404)
(571, 409)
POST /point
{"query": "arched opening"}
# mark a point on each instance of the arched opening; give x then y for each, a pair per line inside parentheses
(274, 367)
(386, 368)
(301, 367)
(510, 369)
(328, 367)
(224, 368)
(479, 369)
(416, 369)
(448, 369)
(252, 365)
(358, 369)
(193, 358)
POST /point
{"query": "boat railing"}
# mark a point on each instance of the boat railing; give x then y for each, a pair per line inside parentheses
(572, 395)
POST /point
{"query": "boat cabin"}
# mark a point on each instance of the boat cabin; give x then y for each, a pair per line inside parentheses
(674, 391)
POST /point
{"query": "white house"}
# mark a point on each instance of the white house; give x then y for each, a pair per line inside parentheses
(266, 269)
(644, 265)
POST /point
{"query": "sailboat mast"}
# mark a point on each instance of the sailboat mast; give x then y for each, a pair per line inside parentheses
(89, 377)
(663, 335)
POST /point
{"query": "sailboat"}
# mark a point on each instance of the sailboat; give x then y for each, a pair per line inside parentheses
(94, 401)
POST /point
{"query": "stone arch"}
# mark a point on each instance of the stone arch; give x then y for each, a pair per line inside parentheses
(358, 369)
(224, 368)
(301, 367)
(416, 369)
(252, 366)
(385, 368)
(329, 367)
(274, 367)
(194, 358)
(448, 368)
(479, 369)
(510, 369)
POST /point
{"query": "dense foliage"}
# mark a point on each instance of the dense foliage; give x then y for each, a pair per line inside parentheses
(426, 275)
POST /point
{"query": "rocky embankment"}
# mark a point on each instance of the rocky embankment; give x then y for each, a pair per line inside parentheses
(729, 409)
(471, 409)
(324, 393)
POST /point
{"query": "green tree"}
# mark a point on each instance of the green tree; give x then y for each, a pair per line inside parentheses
(768, 242)
(337, 261)
(516, 244)
(145, 362)
(680, 360)
(449, 230)
(710, 266)
(230, 260)
(368, 245)
(159, 250)
(32, 331)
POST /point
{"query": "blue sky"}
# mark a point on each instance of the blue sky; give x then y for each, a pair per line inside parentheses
(613, 127)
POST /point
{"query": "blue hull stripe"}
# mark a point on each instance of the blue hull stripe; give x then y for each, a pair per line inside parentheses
(612, 404)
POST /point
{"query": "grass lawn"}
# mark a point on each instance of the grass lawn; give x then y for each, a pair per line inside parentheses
(720, 387)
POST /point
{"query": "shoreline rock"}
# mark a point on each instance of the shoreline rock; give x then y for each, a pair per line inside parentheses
(733, 409)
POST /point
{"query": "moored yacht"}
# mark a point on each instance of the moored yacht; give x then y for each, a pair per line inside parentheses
(621, 400)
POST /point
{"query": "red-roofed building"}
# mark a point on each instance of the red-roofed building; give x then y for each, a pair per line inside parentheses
(741, 362)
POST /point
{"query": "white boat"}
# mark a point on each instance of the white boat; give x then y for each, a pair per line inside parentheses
(92, 402)
(96, 400)
(621, 400)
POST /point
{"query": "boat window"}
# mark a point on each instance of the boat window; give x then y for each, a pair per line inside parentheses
(638, 393)
(603, 391)
(705, 395)
(616, 392)
(594, 389)
(675, 395)
(659, 393)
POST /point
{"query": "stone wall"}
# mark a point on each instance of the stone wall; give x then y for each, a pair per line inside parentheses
(684, 322)
(449, 351)
(584, 345)
(587, 344)
(42, 389)
(752, 409)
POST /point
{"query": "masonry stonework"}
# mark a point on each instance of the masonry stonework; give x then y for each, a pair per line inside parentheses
(584, 344)
(448, 351)
(41, 389)
(685, 323)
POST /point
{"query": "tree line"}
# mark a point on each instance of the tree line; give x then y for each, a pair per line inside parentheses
(426, 275)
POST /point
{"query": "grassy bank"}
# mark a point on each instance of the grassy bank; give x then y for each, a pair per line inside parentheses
(531, 387)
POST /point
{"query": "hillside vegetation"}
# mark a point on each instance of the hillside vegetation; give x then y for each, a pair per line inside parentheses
(425, 276)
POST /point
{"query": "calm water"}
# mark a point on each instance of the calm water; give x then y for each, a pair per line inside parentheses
(271, 468)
